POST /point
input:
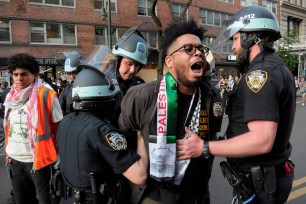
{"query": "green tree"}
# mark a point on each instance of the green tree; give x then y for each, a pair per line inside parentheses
(285, 50)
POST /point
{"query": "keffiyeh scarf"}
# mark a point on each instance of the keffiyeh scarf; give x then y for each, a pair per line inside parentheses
(16, 98)
(162, 146)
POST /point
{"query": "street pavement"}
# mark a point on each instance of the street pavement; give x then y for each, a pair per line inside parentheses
(5, 184)
(221, 192)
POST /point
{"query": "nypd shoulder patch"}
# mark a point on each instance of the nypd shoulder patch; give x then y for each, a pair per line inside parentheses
(217, 108)
(116, 140)
(256, 80)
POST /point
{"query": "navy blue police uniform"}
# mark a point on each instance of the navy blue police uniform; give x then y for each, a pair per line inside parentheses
(88, 144)
(266, 91)
(65, 99)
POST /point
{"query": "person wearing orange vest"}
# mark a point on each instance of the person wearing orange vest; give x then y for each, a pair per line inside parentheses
(32, 114)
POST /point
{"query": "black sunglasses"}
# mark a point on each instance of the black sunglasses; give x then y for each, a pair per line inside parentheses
(191, 49)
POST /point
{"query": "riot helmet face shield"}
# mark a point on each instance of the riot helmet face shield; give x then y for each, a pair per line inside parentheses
(96, 87)
(230, 28)
(132, 45)
(73, 59)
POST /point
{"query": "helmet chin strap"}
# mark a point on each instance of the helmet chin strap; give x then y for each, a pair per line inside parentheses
(246, 43)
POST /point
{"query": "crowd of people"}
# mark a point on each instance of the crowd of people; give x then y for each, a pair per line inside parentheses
(109, 137)
(226, 86)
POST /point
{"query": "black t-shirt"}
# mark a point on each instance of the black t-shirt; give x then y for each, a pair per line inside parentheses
(88, 144)
(265, 92)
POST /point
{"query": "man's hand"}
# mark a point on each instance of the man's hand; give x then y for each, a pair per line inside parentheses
(189, 148)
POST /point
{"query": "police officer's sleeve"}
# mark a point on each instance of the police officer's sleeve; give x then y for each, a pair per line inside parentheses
(114, 148)
(261, 95)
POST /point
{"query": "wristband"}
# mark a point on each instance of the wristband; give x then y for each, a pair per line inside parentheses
(205, 152)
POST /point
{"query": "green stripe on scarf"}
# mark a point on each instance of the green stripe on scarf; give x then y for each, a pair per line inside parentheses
(171, 90)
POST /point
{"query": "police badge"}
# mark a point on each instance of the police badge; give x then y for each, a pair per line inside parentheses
(256, 80)
(217, 108)
(116, 140)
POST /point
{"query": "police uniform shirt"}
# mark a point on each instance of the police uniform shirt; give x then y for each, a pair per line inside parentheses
(90, 144)
(265, 92)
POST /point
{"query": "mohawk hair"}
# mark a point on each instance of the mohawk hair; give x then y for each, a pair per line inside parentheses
(177, 29)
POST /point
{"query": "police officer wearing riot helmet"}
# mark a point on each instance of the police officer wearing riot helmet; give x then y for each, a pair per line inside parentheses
(65, 97)
(89, 146)
(131, 54)
(261, 110)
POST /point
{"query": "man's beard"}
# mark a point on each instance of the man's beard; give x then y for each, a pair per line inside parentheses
(187, 83)
(183, 79)
(242, 59)
(238, 54)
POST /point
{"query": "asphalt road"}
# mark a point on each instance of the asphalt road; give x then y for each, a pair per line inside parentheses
(221, 192)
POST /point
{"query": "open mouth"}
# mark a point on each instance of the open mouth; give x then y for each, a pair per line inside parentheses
(197, 67)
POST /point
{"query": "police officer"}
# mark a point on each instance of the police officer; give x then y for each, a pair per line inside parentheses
(92, 151)
(71, 63)
(261, 110)
(131, 54)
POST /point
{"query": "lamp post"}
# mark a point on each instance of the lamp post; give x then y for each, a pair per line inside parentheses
(107, 15)
(299, 68)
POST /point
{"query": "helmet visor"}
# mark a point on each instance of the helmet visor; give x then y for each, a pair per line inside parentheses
(229, 29)
(101, 59)
(73, 59)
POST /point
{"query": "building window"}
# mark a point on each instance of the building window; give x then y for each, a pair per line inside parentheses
(177, 9)
(5, 31)
(228, 1)
(269, 4)
(101, 36)
(52, 33)
(215, 18)
(293, 25)
(54, 2)
(248, 2)
(98, 4)
(144, 7)
(151, 38)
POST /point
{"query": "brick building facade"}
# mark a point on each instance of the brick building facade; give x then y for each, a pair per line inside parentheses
(47, 28)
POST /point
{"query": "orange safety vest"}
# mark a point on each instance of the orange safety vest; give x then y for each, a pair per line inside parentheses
(45, 141)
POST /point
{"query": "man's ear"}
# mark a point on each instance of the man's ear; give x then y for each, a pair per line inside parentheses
(168, 61)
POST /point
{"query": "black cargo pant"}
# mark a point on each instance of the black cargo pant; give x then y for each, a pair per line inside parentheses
(30, 186)
(283, 188)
